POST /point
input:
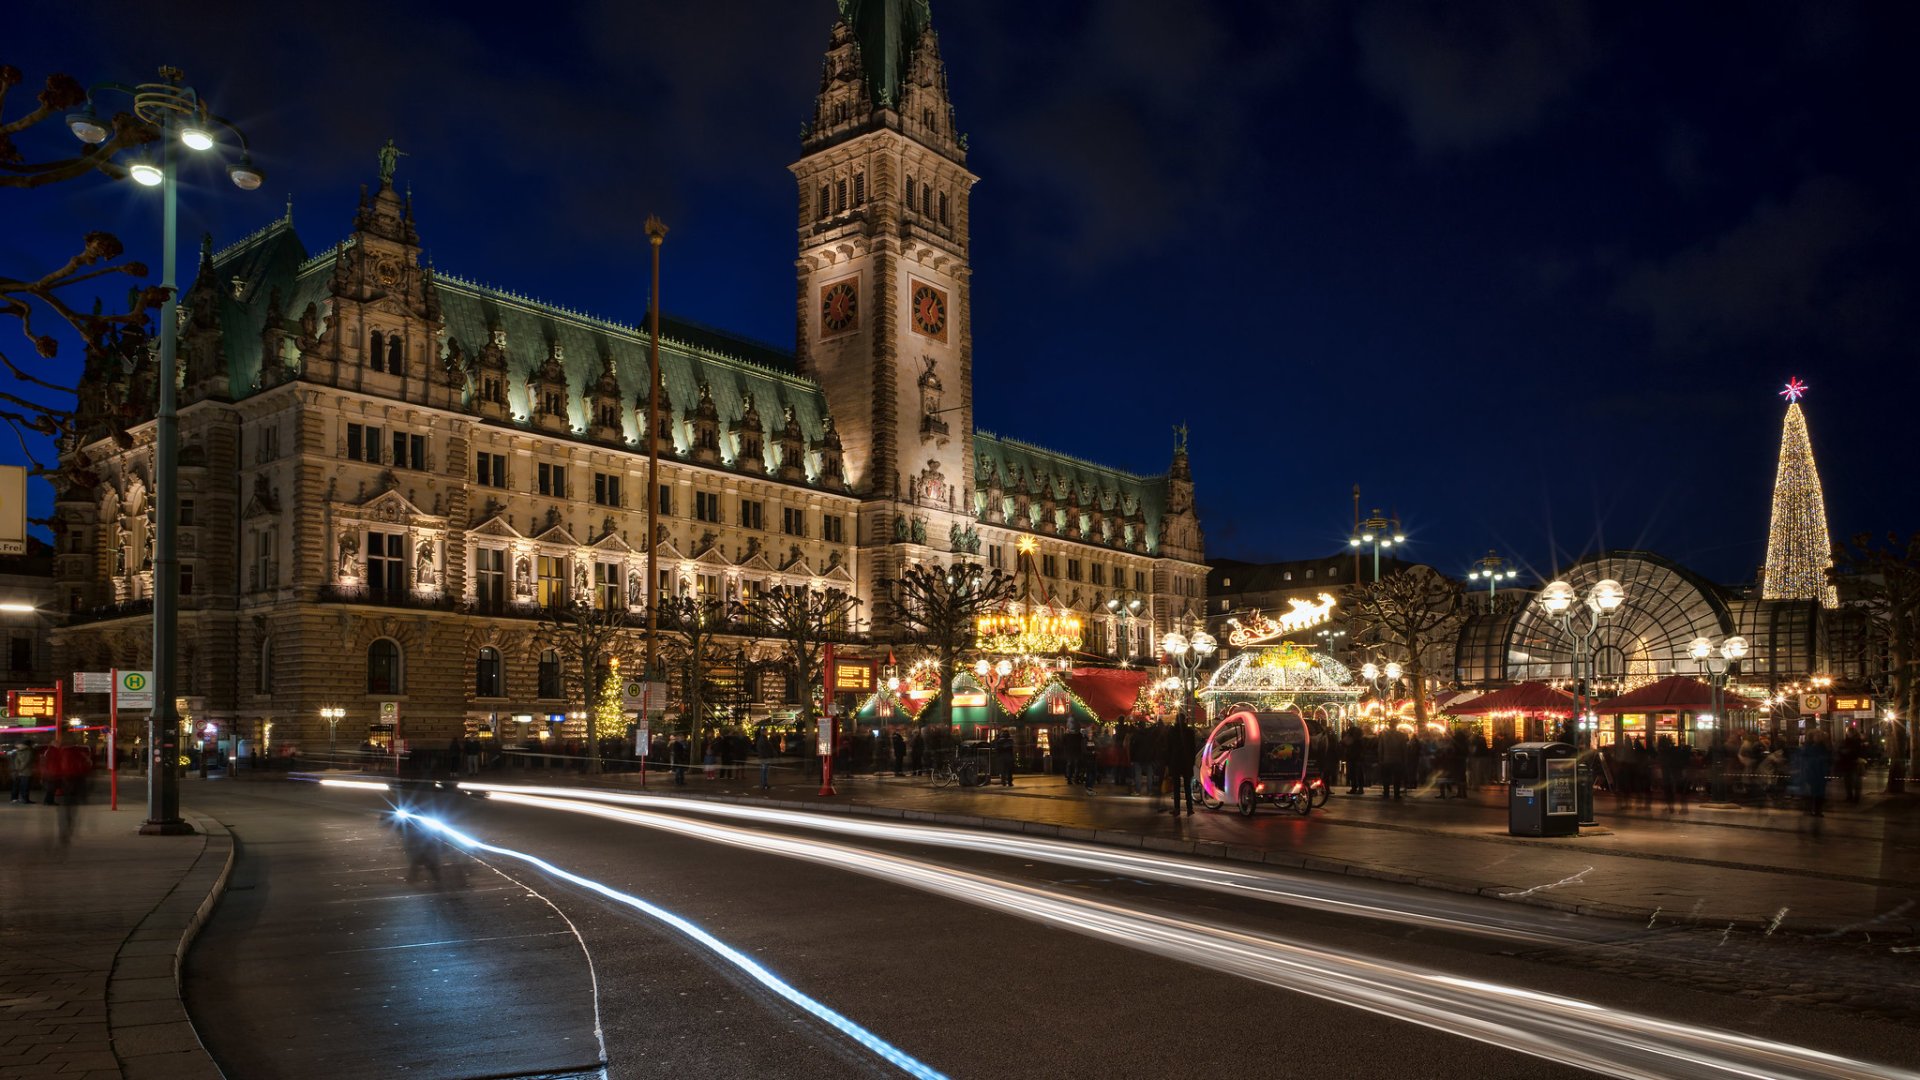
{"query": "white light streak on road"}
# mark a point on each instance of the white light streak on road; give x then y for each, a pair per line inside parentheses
(1431, 911)
(884, 1049)
(1611, 1041)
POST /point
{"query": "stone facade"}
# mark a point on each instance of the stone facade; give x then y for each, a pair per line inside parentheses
(387, 470)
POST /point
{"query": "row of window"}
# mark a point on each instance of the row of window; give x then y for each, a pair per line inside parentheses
(1077, 571)
(926, 202)
(845, 193)
(376, 446)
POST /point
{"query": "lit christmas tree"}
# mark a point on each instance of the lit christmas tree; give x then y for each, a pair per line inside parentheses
(1799, 548)
(609, 713)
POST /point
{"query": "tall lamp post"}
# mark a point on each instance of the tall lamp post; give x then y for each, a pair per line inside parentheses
(1188, 652)
(1377, 532)
(1492, 569)
(1123, 612)
(173, 109)
(1558, 601)
(1718, 663)
(332, 715)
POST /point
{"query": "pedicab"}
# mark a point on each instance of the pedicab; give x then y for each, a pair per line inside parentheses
(1259, 755)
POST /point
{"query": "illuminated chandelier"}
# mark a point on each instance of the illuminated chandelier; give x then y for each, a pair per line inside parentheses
(1033, 626)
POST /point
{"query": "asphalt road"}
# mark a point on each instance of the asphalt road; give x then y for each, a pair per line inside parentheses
(882, 955)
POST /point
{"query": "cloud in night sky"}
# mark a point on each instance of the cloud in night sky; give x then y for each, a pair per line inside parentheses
(1468, 75)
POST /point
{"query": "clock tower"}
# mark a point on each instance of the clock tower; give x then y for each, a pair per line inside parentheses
(883, 274)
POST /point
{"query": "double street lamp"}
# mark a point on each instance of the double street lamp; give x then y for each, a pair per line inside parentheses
(1377, 532)
(1718, 664)
(1123, 612)
(1581, 622)
(332, 715)
(173, 109)
(1188, 651)
(1383, 680)
(1492, 569)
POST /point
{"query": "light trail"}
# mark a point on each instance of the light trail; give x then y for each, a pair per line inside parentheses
(907, 1063)
(1456, 913)
(1610, 1041)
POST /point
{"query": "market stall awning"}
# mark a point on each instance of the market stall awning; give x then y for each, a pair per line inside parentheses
(1109, 692)
(1056, 703)
(1674, 694)
(883, 706)
(1527, 698)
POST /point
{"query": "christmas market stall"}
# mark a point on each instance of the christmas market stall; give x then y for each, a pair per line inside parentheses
(1526, 712)
(1687, 710)
(1285, 676)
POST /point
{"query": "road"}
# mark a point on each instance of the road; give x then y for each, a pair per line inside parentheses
(731, 941)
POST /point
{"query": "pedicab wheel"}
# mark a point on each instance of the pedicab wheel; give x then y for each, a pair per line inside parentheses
(1303, 802)
(1319, 794)
(1246, 798)
(1200, 795)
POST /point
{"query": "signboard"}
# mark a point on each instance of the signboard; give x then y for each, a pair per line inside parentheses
(13, 509)
(642, 738)
(1301, 614)
(639, 696)
(1852, 704)
(93, 682)
(1560, 798)
(825, 747)
(855, 677)
(33, 704)
(135, 689)
(389, 713)
(1813, 703)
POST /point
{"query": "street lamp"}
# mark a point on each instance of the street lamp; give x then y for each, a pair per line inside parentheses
(1492, 569)
(1383, 680)
(332, 715)
(173, 109)
(1188, 652)
(1718, 664)
(1123, 612)
(1377, 532)
(1558, 600)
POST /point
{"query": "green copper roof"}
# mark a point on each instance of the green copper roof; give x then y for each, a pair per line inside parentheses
(887, 31)
(1117, 493)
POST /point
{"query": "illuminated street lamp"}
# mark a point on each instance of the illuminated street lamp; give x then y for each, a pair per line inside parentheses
(1718, 664)
(173, 109)
(1123, 612)
(1188, 652)
(1558, 599)
(332, 715)
(1492, 569)
(1377, 532)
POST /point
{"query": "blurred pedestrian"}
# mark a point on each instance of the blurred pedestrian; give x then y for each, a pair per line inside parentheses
(763, 750)
(1180, 750)
(917, 753)
(1848, 763)
(1674, 759)
(20, 760)
(899, 745)
(1354, 749)
(677, 757)
(1394, 756)
(1815, 763)
(65, 766)
(1003, 756)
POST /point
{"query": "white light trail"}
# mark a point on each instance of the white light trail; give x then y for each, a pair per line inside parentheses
(1613, 1042)
(885, 1050)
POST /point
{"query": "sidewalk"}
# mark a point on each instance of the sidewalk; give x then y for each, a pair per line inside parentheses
(1852, 870)
(91, 937)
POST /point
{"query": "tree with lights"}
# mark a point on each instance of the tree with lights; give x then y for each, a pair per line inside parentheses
(1411, 615)
(591, 632)
(939, 607)
(1799, 548)
(609, 716)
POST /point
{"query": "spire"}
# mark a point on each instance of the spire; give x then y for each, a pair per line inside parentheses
(888, 31)
(1799, 547)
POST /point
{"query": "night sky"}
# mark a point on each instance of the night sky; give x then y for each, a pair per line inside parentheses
(1529, 273)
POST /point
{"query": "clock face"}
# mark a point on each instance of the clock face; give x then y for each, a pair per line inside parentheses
(929, 311)
(839, 307)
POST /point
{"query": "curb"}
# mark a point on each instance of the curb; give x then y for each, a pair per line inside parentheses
(147, 1021)
(1214, 849)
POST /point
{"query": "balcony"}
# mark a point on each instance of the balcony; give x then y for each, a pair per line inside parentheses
(360, 594)
(121, 610)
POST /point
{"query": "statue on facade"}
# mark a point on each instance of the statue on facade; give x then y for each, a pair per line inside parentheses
(390, 156)
(636, 592)
(900, 529)
(919, 530)
(349, 555)
(423, 566)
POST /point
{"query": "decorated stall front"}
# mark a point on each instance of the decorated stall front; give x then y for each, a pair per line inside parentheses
(1686, 710)
(1528, 712)
(1285, 676)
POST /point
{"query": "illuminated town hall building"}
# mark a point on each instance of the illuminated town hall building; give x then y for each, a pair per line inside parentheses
(386, 470)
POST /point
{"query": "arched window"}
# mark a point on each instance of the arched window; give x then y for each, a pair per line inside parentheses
(486, 674)
(384, 674)
(550, 674)
(377, 351)
(395, 356)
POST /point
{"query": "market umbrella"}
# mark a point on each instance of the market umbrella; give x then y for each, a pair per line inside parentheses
(1675, 694)
(1530, 698)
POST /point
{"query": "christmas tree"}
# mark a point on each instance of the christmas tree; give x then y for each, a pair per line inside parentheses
(609, 712)
(1799, 548)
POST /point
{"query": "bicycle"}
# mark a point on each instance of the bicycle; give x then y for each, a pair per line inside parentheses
(955, 771)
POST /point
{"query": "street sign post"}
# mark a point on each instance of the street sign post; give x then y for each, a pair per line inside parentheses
(133, 689)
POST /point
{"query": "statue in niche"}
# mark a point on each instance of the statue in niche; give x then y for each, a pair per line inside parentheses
(580, 582)
(635, 589)
(900, 529)
(523, 577)
(931, 390)
(349, 555)
(919, 530)
(423, 566)
(310, 326)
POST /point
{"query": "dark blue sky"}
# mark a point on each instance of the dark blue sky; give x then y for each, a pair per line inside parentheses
(1530, 274)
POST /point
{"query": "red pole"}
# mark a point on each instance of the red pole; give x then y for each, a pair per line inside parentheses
(833, 729)
(646, 729)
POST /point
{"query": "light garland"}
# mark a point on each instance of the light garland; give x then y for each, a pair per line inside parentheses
(1799, 547)
(1037, 630)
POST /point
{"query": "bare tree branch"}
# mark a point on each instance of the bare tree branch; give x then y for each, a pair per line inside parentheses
(1413, 616)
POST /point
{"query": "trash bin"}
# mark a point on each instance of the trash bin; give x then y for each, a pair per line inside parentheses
(1541, 797)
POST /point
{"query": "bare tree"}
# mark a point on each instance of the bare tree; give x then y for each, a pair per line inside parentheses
(803, 621)
(939, 607)
(1884, 578)
(589, 636)
(695, 625)
(43, 404)
(1413, 616)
